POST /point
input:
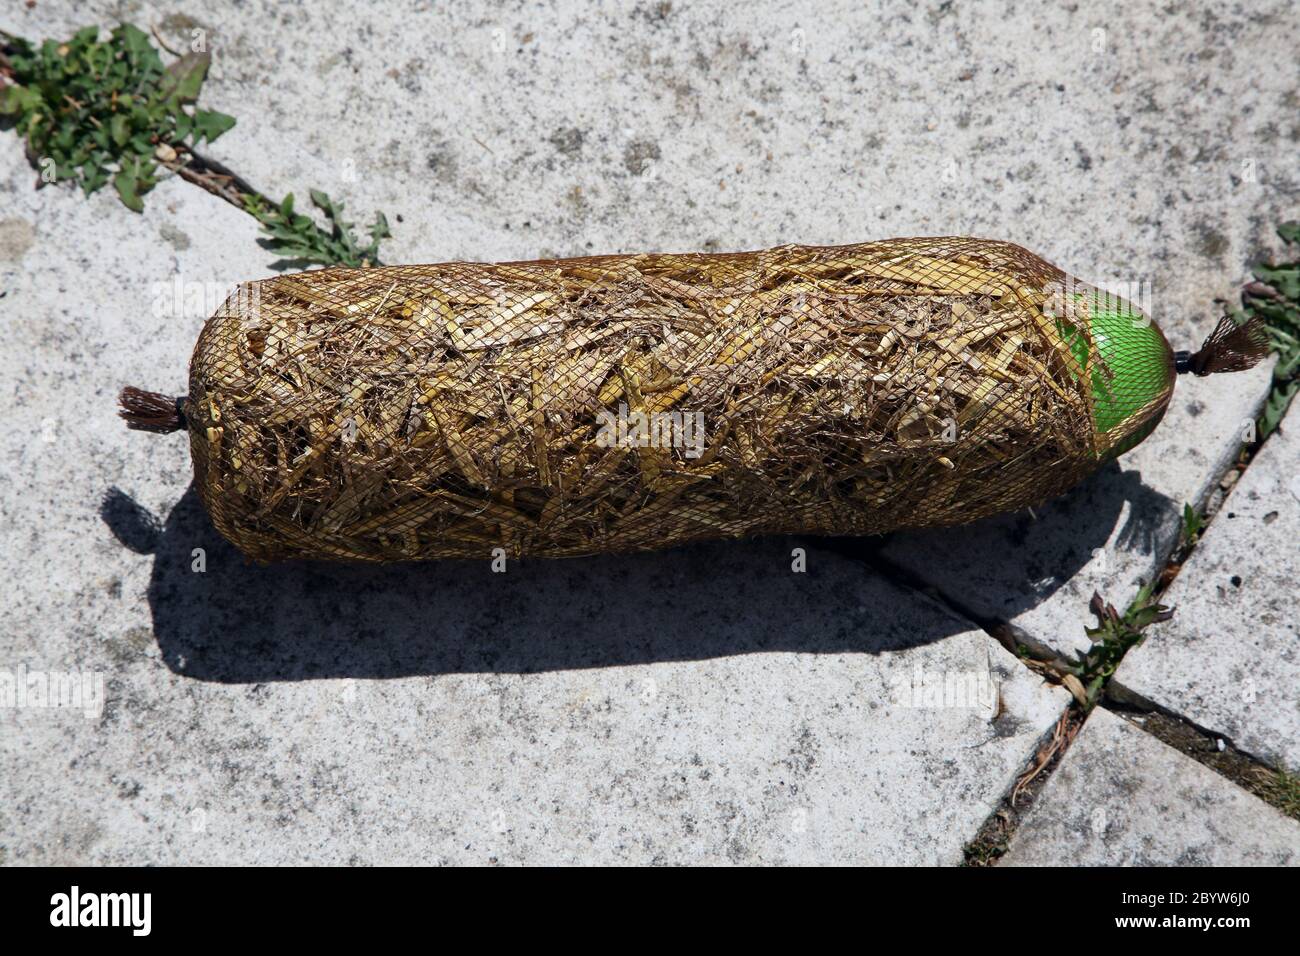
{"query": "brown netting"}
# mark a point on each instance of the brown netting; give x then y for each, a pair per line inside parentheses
(615, 403)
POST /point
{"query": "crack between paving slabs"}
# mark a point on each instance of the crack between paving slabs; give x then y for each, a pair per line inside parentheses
(1213, 750)
(991, 839)
(995, 834)
(1121, 699)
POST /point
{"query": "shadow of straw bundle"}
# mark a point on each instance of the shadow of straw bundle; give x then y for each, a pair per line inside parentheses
(568, 407)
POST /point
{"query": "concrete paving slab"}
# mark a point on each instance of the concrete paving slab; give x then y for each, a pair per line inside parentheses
(562, 718)
(1120, 797)
(707, 705)
(696, 724)
(1229, 660)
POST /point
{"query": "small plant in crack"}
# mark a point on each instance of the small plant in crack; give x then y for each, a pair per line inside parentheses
(1114, 634)
(96, 111)
(1275, 297)
(1282, 789)
(297, 237)
(1193, 524)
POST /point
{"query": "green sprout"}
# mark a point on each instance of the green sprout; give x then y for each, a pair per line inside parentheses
(1114, 634)
(1193, 524)
(297, 237)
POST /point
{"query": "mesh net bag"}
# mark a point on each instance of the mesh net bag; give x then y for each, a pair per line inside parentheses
(632, 402)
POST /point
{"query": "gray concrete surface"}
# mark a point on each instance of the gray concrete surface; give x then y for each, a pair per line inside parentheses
(1120, 797)
(1229, 660)
(707, 705)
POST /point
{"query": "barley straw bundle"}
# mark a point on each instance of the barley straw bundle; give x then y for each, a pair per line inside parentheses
(615, 403)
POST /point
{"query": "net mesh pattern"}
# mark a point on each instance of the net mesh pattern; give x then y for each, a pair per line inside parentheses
(633, 402)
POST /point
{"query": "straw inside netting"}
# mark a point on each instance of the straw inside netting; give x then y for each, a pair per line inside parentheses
(616, 403)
